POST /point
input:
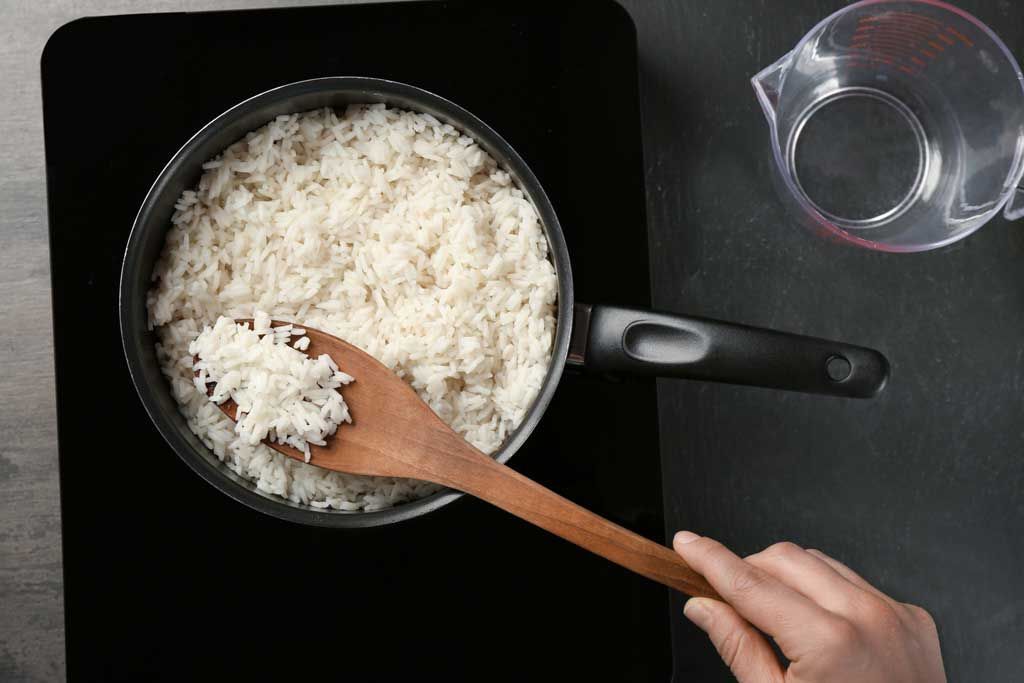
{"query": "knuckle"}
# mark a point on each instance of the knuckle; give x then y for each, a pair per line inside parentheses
(921, 616)
(877, 613)
(777, 552)
(747, 580)
(839, 635)
(783, 550)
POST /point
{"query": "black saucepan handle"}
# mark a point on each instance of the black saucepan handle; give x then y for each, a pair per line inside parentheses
(612, 339)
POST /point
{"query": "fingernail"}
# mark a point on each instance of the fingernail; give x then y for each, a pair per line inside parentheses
(696, 611)
(684, 537)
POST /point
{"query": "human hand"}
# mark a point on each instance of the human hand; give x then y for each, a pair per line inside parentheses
(830, 623)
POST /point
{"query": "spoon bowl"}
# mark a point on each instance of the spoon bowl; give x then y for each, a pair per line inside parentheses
(394, 433)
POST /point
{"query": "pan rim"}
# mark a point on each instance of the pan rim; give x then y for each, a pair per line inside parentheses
(207, 466)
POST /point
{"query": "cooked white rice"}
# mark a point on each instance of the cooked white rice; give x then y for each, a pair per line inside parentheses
(387, 229)
(281, 394)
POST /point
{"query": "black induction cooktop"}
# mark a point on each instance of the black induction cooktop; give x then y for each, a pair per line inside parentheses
(166, 578)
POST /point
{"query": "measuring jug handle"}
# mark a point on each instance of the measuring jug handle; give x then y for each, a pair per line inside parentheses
(1015, 206)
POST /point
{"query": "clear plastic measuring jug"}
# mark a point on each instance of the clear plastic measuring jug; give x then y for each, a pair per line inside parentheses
(897, 125)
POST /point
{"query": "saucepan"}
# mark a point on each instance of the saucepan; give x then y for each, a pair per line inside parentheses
(606, 339)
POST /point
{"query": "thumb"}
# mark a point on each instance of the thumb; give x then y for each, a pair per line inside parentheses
(742, 648)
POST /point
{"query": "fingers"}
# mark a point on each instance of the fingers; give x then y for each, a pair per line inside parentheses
(742, 648)
(780, 611)
(830, 623)
(848, 574)
(911, 614)
(810, 575)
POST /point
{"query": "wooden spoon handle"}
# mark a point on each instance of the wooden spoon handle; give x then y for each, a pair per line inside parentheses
(505, 488)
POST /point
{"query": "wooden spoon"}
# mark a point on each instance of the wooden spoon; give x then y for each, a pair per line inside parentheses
(395, 434)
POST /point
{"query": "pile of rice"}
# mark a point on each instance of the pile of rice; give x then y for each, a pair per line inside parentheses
(281, 394)
(385, 228)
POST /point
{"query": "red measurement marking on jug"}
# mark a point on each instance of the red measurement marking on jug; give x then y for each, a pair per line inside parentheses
(903, 41)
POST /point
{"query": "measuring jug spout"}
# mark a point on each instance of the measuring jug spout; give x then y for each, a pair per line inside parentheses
(768, 83)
